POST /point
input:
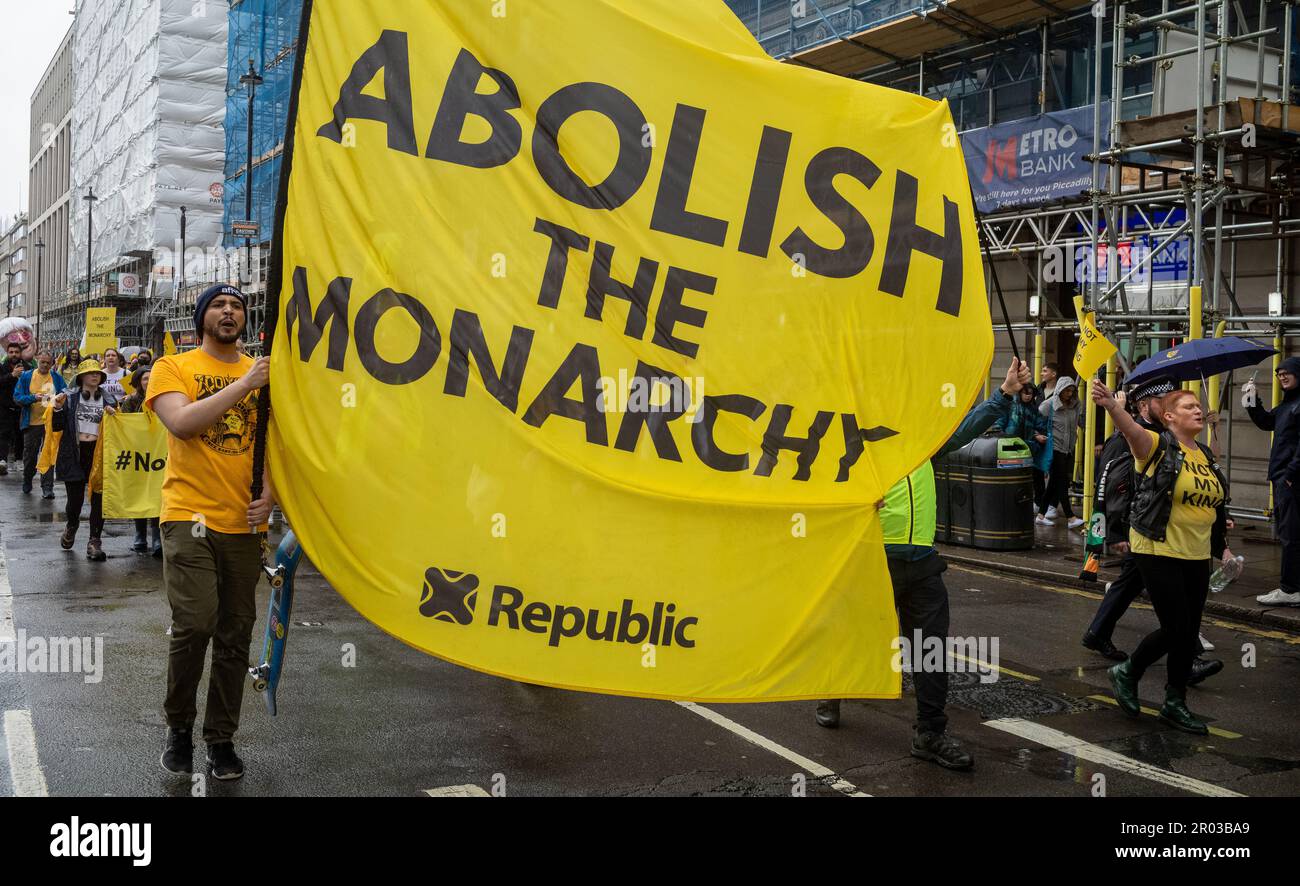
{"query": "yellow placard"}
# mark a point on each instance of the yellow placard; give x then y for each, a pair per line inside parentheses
(1093, 349)
(101, 330)
(134, 463)
(169, 344)
(605, 333)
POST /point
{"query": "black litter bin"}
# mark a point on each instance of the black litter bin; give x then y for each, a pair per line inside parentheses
(985, 495)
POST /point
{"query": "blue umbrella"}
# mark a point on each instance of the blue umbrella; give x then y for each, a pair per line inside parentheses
(1200, 358)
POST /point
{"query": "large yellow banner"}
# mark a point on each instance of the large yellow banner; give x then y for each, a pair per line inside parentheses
(601, 334)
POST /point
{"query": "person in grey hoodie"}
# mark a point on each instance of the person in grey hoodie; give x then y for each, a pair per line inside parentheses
(1063, 409)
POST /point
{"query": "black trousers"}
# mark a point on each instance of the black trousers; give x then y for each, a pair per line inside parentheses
(1058, 485)
(1040, 488)
(1122, 592)
(11, 438)
(922, 602)
(1178, 589)
(77, 495)
(33, 439)
(1286, 518)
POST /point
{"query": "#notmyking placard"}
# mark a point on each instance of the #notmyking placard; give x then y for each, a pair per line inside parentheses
(600, 334)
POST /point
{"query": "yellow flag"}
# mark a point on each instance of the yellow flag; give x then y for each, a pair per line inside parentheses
(134, 462)
(49, 456)
(601, 334)
(101, 330)
(169, 344)
(1093, 350)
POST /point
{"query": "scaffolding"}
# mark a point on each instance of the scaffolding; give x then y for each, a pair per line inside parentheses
(1188, 226)
(265, 33)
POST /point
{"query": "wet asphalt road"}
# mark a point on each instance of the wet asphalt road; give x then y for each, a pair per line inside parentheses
(399, 723)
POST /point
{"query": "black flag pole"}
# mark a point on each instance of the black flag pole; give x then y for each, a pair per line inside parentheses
(274, 271)
(993, 272)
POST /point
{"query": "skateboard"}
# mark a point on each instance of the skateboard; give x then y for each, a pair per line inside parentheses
(266, 676)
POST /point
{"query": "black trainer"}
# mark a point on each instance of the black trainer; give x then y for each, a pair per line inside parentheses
(1203, 669)
(941, 748)
(828, 713)
(1104, 647)
(223, 763)
(178, 752)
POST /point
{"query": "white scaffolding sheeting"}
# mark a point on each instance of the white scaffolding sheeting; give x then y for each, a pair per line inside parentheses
(149, 90)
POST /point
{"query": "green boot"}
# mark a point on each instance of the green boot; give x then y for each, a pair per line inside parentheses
(1175, 713)
(1126, 687)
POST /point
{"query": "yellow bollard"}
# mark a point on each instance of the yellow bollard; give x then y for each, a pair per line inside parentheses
(1194, 329)
(1083, 447)
(1214, 384)
(1038, 357)
(1110, 383)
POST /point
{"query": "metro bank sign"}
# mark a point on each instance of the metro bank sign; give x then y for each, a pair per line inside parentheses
(1031, 161)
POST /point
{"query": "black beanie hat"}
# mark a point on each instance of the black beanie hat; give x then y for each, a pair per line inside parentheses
(1291, 365)
(201, 305)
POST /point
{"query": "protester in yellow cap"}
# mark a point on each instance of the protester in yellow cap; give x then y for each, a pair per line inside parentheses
(79, 413)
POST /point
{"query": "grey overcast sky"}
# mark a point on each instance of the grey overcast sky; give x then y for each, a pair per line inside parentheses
(32, 30)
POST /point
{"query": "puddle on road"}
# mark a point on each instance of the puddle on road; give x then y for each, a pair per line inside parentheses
(1200, 758)
(1165, 749)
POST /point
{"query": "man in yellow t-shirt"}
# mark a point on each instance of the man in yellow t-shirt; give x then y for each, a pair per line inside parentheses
(207, 398)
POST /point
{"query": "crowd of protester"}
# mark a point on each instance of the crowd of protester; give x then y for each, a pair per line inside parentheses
(51, 415)
(208, 533)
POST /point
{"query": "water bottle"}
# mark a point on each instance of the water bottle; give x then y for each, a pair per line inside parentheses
(1227, 573)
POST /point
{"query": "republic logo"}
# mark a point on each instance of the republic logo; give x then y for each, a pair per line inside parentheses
(449, 596)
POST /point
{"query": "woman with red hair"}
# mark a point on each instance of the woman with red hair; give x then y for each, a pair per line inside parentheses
(1178, 518)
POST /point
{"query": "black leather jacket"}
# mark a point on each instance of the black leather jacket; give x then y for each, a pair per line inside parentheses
(1153, 497)
(1115, 486)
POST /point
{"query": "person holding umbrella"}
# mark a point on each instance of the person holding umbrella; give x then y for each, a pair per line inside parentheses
(1178, 518)
(1283, 473)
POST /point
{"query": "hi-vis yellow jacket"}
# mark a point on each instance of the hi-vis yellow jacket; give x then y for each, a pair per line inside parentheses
(908, 517)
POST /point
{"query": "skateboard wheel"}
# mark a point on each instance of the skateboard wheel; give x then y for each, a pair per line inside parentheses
(259, 685)
(277, 583)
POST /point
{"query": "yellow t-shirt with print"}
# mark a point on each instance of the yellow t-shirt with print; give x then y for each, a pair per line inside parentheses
(1197, 497)
(208, 477)
(41, 383)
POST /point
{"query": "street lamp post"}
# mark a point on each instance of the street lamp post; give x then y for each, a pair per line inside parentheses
(252, 81)
(90, 199)
(181, 270)
(40, 254)
(9, 302)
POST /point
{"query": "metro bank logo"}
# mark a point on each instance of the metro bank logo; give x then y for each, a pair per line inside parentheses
(1037, 152)
(1000, 162)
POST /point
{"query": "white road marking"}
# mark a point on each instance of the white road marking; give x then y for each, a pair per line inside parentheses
(812, 767)
(6, 601)
(458, 790)
(1062, 741)
(24, 766)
